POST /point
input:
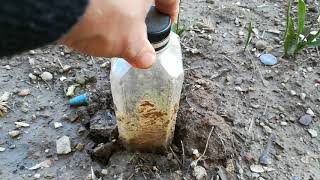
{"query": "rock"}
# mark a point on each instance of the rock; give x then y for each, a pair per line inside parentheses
(31, 61)
(24, 92)
(57, 125)
(238, 81)
(257, 168)
(267, 129)
(305, 120)
(14, 133)
(46, 76)
(309, 69)
(63, 145)
(310, 112)
(62, 78)
(103, 150)
(7, 67)
(265, 159)
(32, 52)
(105, 64)
(283, 123)
(2, 149)
(296, 178)
(293, 93)
(81, 130)
(261, 45)
(44, 164)
(21, 124)
(199, 173)
(268, 59)
(103, 125)
(71, 89)
(303, 96)
(37, 176)
(104, 171)
(313, 133)
(12, 146)
(80, 147)
(32, 77)
(196, 153)
(66, 68)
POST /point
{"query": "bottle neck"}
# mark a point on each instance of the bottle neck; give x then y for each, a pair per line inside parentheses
(161, 45)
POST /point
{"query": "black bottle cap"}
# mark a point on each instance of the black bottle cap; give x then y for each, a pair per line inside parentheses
(158, 25)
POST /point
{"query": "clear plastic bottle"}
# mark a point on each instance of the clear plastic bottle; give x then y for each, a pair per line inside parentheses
(147, 100)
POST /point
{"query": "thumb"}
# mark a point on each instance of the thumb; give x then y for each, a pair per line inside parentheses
(139, 52)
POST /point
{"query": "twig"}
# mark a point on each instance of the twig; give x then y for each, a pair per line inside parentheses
(318, 51)
(264, 82)
(222, 142)
(228, 59)
(183, 154)
(192, 68)
(207, 143)
(60, 63)
(175, 156)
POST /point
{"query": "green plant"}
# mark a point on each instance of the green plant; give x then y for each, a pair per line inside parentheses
(177, 27)
(298, 38)
(249, 38)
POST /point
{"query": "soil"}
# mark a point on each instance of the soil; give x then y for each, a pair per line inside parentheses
(228, 96)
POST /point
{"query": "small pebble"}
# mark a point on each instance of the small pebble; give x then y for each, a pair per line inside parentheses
(305, 120)
(32, 52)
(63, 145)
(31, 61)
(57, 125)
(21, 124)
(261, 45)
(37, 176)
(12, 146)
(310, 112)
(80, 147)
(47, 150)
(33, 77)
(14, 133)
(313, 133)
(256, 168)
(199, 173)
(24, 92)
(267, 129)
(293, 93)
(66, 68)
(309, 69)
(303, 96)
(283, 123)
(2, 149)
(268, 59)
(46, 76)
(104, 171)
(7, 67)
(265, 159)
(296, 178)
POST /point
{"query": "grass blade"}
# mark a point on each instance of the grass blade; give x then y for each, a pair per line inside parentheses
(315, 43)
(250, 31)
(291, 40)
(301, 16)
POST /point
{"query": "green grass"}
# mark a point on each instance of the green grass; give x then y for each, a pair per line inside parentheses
(177, 27)
(297, 37)
(249, 38)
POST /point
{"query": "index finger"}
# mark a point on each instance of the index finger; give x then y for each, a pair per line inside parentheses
(170, 7)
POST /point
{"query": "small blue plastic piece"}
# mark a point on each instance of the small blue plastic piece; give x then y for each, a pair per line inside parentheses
(81, 100)
(268, 59)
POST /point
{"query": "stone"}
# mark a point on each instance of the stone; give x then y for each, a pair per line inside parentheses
(313, 133)
(238, 81)
(80, 147)
(199, 173)
(32, 77)
(103, 150)
(267, 129)
(261, 45)
(32, 52)
(7, 67)
(303, 96)
(283, 123)
(37, 176)
(57, 125)
(14, 133)
(104, 171)
(66, 68)
(63, 145)
(2, 149)
(268, 59)
(31, 61)
(293, 93)
(24, 92)
(103, 125)
(305, 120)
(257, 168)
(22, 124)
(310, 112)
(12, 146)
(46, 76)
(265, 159)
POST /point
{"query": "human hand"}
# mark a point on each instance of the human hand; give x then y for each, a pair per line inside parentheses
(117, 29)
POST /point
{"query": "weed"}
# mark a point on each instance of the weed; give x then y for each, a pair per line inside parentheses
(298, 38)
(177, 27)
(249, 38)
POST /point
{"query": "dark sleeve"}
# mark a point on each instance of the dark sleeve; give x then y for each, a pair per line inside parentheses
(28, 24)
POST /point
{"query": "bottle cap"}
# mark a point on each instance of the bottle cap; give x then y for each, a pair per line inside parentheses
(158, 25)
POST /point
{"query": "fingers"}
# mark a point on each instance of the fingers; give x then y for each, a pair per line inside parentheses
(170, 7)
(139, 52)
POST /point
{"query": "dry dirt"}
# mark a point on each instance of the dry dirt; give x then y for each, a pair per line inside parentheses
(228, 94)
